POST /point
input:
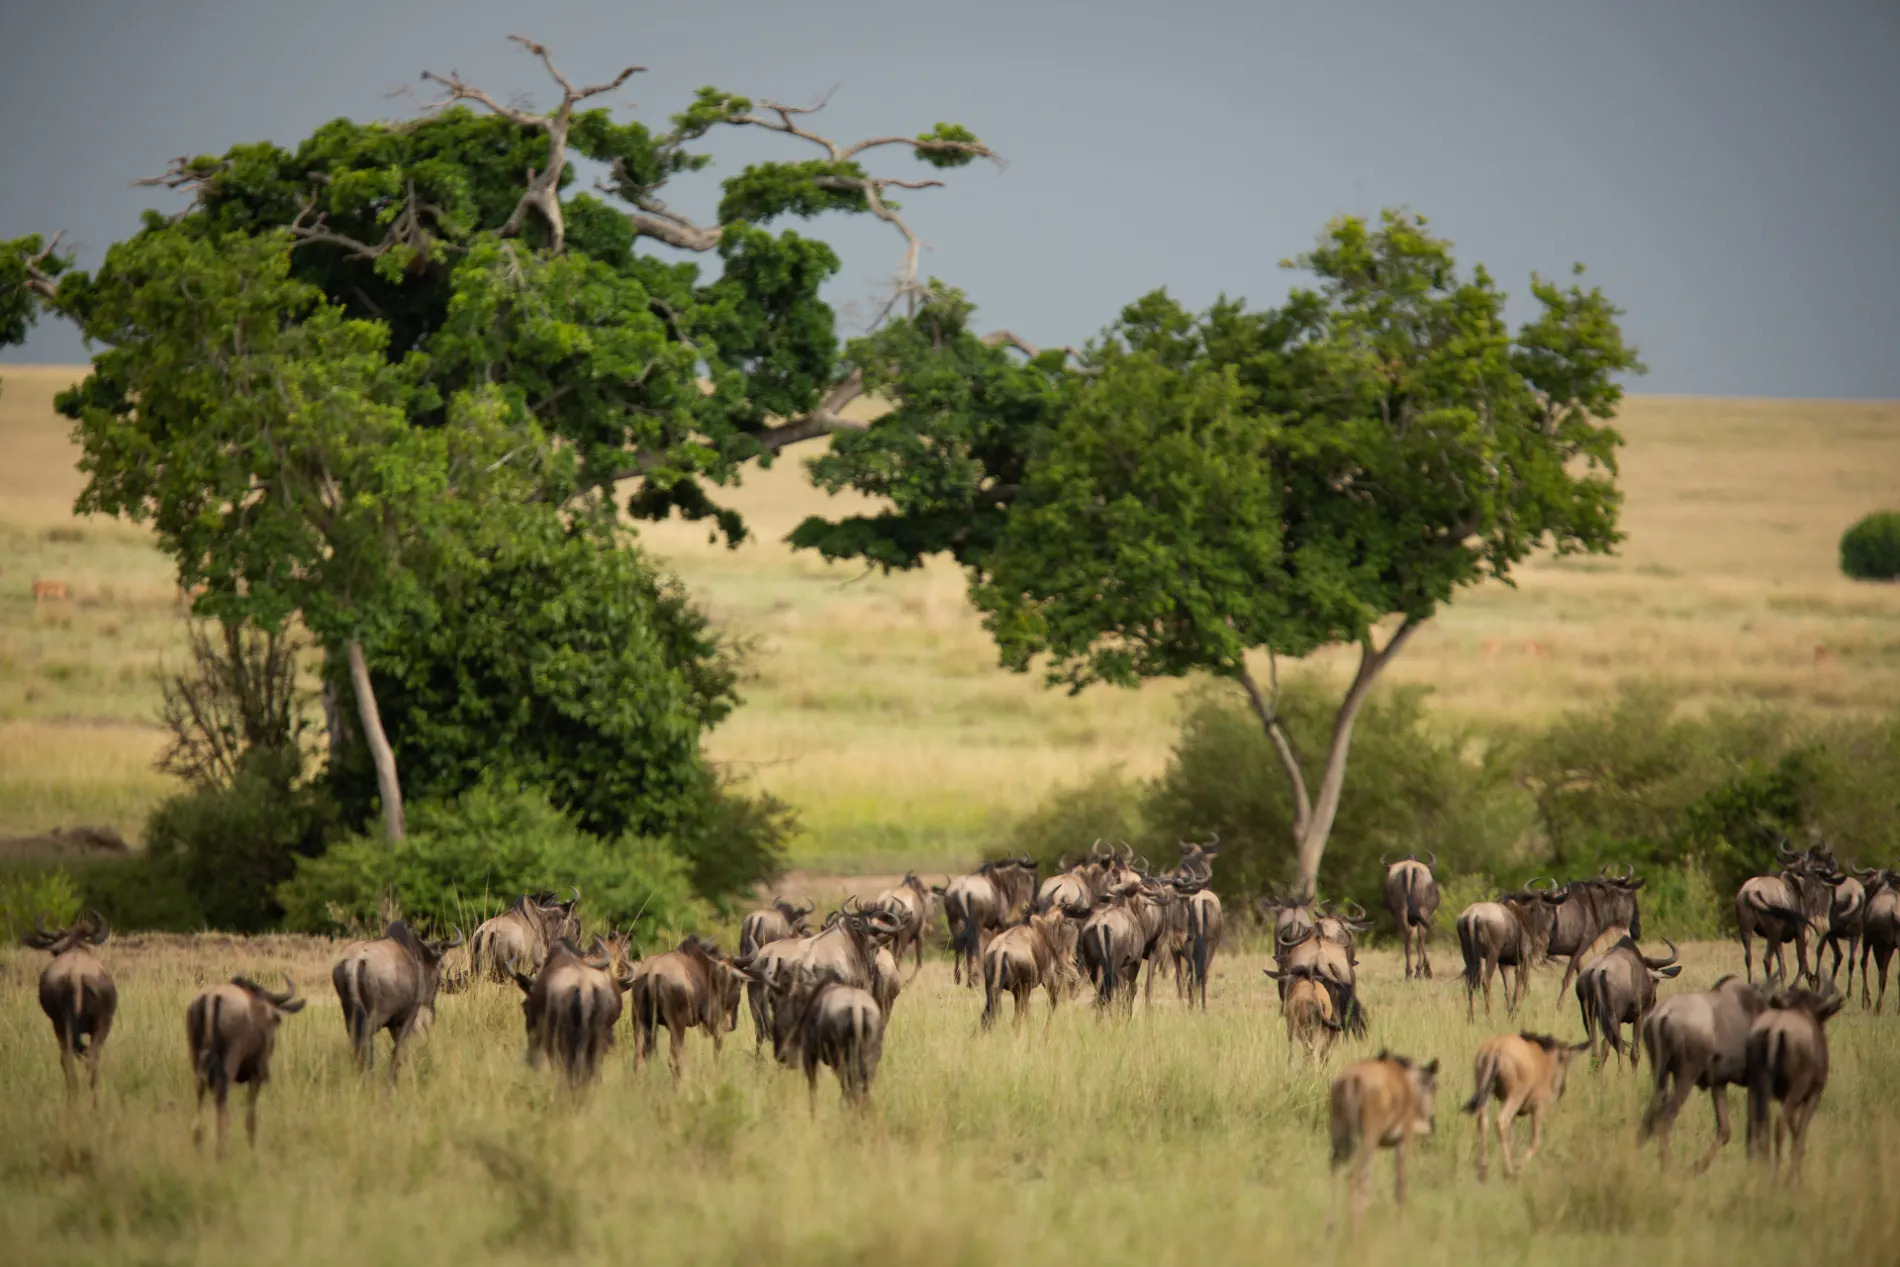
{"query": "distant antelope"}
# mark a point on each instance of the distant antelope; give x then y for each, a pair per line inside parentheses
(45, 591)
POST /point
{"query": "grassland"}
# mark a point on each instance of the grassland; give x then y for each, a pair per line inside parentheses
(877, 707)
(1171, 1138)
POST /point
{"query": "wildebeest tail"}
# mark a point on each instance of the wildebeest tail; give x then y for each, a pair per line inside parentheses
(204, 1038)
(995, 981)
(1352, 1012)
(1474, 961)
(1411, 898)
(1487, 1080)
(1102, 967)
(76, 1000)
(1655, 1039)
(646, 1012)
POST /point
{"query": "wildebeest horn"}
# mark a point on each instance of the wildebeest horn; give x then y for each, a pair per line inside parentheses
(1298, 935)
(1433, 864)
(1383, 862)
(39, 926)
(1062, 862)
(1128, 851)
(458, 938)
(1355, 906)
(1629, 870)
(1664, 963)
(1213, 845)
(810, 905)
(290, 992)
(100, 929)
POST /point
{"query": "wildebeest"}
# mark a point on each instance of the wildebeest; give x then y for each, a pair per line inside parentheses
(910, 904)
(1846, 922)
(519, 938)
(570, 1009)
(1587, 907)
(1087, 880)
(780, 920)
(231, 1031)
(1334, 962)
(1698, 1040)
(1523, 1071)
(1618, 988)
(1379, 1103)
(1310, 1004)
(1880, 933)
(825, 1021)
(1787, 1061)
(692, 986)
(1789, 907)
(79, 998)
(764, 969)
(978, 904)
(1123, 932)
(1411, 895)
(1507, 933)
(1026, 957)
(1204, 922)
(389, 984)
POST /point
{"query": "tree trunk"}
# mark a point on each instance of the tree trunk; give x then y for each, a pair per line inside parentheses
(379, 749)
(1313, 819)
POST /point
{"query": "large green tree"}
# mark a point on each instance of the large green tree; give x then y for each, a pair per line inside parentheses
(1207, 488)
(348, 368)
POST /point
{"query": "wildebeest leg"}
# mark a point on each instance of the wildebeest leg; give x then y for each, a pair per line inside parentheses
(62, 1030)
(1424, 955)
(1490, 966)
(250, 1115)
(1748, 954)
(93, 1055)
(1672, 1088)
(221, 1092)
(198, 1115)
(1507, 1127)
(1797, 1117)
(1484, 1127)
(1812, 975)
(1537, 1132)
(1398, 1172)
(1881, 960)
(1718, 1096)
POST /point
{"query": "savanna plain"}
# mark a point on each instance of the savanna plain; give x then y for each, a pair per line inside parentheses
(875, 708)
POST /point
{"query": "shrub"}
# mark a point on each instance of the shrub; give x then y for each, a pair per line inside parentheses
(230, 847)
(1105, 806)
(467, 858)
(49, 895)
(739, 842)
(1870, 550)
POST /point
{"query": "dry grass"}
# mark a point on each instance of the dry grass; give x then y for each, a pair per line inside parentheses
(1169, 1138)
(878, 708)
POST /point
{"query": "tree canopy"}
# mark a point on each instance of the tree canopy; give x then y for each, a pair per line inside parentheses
(398, 375)
(1206, 486)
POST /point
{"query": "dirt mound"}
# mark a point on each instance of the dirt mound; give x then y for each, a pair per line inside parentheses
(65, 844)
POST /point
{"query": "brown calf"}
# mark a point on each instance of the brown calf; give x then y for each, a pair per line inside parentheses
(1521, 1071)
(1379, 1103)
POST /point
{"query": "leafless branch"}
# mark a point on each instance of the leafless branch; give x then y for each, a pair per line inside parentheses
(1009, 338)
(542, 194)
(38, 280)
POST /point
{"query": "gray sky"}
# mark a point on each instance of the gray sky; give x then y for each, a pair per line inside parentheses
(1726, 168)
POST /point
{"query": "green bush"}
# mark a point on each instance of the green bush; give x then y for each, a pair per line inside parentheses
(1870, 550)
(230, 847)
(49, 895)
(739, 842)
(1409, 787)
(130, 892)
(1106, 806)
(465, 859)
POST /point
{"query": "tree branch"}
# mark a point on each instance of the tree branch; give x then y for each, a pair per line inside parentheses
(543, 192)
(1266, 707)
(38, 280)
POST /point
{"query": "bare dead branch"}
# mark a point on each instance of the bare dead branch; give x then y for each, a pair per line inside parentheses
(38, 280)
(542, 194)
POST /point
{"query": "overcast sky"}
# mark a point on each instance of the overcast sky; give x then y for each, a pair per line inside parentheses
(1726, 168)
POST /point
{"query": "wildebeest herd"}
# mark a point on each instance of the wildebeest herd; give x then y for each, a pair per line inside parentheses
(825, 997)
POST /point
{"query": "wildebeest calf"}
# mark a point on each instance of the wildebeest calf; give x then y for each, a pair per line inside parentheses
(1787, 1061)
(78, 997)
(1522, 1071)
(231, 1031)
(1311, 1007)
(1379, 1103)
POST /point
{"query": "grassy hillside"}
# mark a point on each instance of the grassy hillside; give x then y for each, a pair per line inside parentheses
(1168, 1138)
(878, 709)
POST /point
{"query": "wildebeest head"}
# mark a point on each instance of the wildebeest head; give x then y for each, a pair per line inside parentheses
(285, 1002)
(1424, 1080)
(1819, 1004)
(795, 913)
(93, 930)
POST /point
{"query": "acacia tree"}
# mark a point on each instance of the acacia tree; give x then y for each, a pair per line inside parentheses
(324, 376)
(1240, 483)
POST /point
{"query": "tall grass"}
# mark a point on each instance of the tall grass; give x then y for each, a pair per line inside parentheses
(1172, 1137)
